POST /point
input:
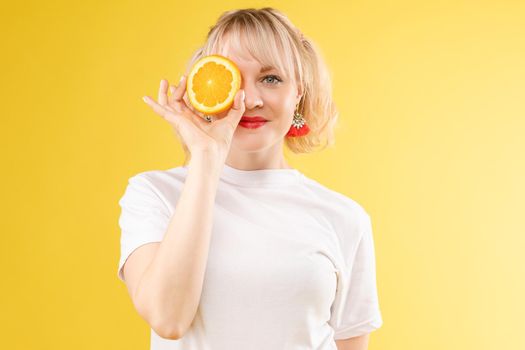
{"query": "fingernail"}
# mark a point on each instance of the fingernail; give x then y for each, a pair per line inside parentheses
(182, 77)
(243, 95)
(145, 99)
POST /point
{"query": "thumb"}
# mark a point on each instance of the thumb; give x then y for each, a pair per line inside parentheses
(238, 108)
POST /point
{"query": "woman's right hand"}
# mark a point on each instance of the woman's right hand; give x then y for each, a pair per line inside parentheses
(194, 131)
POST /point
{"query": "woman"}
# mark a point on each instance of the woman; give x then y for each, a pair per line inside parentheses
(236, 249)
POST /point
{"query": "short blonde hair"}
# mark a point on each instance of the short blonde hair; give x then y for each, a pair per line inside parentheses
(267, 33)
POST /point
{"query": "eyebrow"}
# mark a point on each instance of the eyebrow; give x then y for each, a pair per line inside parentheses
(267, 68)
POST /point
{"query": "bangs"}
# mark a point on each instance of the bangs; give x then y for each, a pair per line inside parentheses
(263, 42)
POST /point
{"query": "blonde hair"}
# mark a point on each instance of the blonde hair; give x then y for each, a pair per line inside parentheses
(266, 33)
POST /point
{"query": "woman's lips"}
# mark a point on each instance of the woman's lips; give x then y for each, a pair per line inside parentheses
(252, 122)
(256, 118)
(251, 125)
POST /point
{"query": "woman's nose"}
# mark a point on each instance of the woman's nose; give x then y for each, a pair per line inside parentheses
(252, 98)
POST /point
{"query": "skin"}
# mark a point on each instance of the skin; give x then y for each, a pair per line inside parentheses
(274, 100)
(355, 343)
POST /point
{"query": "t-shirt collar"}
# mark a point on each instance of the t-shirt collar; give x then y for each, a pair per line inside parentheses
(251, 178)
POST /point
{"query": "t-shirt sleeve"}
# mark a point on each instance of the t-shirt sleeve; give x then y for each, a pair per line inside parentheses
(144, 218)
(355, 310)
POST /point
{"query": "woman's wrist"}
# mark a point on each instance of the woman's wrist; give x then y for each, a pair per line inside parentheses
(210, 162)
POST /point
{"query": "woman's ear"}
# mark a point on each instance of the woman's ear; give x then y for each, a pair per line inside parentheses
(299, 94)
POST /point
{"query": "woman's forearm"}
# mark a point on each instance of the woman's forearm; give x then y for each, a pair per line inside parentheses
(171, 286)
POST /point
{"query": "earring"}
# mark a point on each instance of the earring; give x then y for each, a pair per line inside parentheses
(299, 127)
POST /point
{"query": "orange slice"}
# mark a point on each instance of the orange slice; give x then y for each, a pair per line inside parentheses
(212, 84)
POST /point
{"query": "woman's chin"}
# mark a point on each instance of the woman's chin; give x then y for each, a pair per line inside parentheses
(246, 144)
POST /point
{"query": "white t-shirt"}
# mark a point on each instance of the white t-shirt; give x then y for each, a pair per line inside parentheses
(291, 263)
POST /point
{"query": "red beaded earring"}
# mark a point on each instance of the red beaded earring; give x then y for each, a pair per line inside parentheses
(299, 127)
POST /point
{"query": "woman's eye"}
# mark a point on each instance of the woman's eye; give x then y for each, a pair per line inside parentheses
(274, 79)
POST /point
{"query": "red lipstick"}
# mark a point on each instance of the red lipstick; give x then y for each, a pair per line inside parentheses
(252, 122)
(245, 118)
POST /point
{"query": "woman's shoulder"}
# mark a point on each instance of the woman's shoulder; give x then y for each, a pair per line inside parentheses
(334, 198)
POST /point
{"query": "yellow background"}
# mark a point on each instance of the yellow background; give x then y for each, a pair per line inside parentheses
(430, 141)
